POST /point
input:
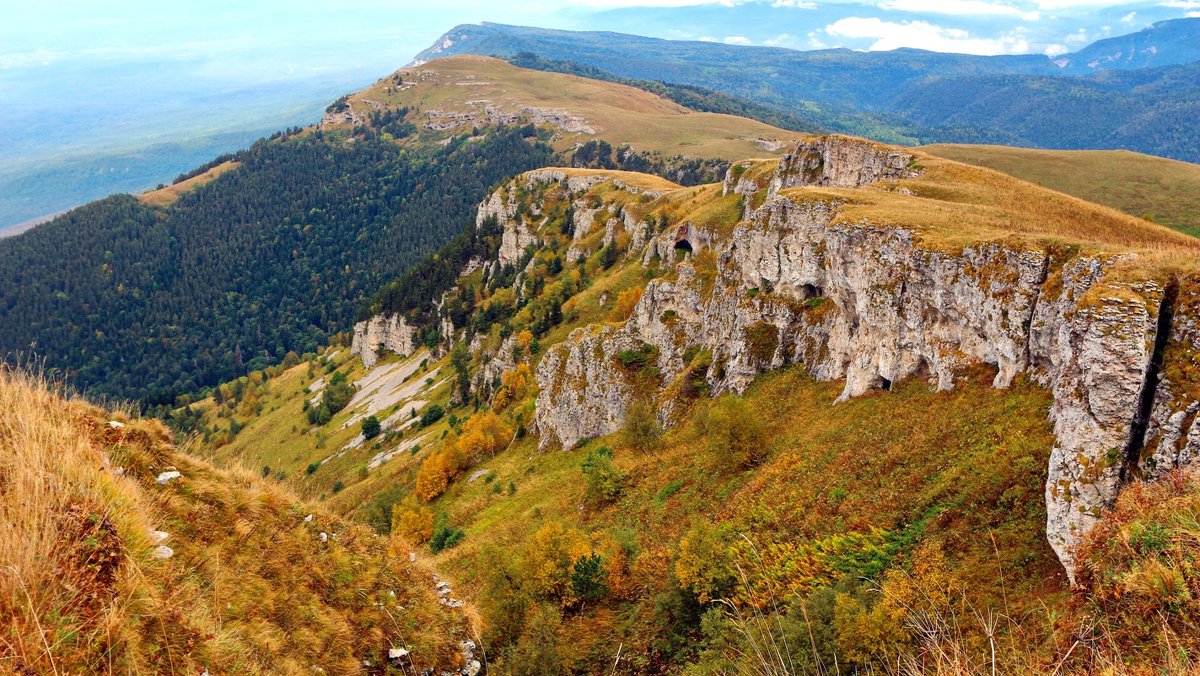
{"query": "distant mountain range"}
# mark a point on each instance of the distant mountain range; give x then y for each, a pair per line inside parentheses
(1165, 43)
(1137, 91)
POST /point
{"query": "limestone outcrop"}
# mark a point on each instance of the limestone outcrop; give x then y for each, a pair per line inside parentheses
(840, 162)
(382, 333)
(1172, 437)
(869, 305)
(519, 229)
(797, 281)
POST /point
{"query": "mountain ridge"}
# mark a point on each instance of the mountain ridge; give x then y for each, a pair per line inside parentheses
(843, 86)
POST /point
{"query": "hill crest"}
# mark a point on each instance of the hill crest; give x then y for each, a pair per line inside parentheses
(455, 93)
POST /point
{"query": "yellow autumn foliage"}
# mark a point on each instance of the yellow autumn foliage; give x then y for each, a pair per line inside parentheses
(626, 302)
(548, 558)
(703, 564)
(412, 521)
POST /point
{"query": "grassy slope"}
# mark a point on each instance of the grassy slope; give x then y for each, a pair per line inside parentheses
(250, 586)
(888, 461)
(958, 203)
(165, 196)
(1163, 190)
(618, 113)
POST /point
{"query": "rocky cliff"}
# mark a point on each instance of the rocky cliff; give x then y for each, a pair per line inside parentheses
(869, 304)
(795, 277)
(519, 226)
(382, 333)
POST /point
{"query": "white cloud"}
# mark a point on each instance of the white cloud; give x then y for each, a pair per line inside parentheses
(958, 8)
(889, 35)
(1073, 4)
(1079, 37)
(624, 4)
(37, 57)
(728, 39)
(783, 39)
(1128, 18)
(1056, 50)
(795, 4)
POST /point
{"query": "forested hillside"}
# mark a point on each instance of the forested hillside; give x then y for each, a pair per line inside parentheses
(1151, 111)
(273, 249)
(140, 302)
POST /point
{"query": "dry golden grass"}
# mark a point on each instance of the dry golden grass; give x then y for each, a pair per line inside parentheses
(1165, 191)
(951, 205)
(617, 113)
(251, 586)
(166, 196)
(51, 487)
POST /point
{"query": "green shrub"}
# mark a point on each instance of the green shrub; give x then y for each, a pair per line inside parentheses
(337, 393)
(1149, 538)
(319, 415)
(370, 427)
(669, 490)
(636, 360)
(431, 415)
(445, 537)
(587, 578)
(601, 479)
(737, 436)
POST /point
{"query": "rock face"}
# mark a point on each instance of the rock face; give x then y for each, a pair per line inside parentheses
(840, 162)
(502, 206)
(485, 111)
(869, 305)
(517, 232)
(860, 303)
(380, 333)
